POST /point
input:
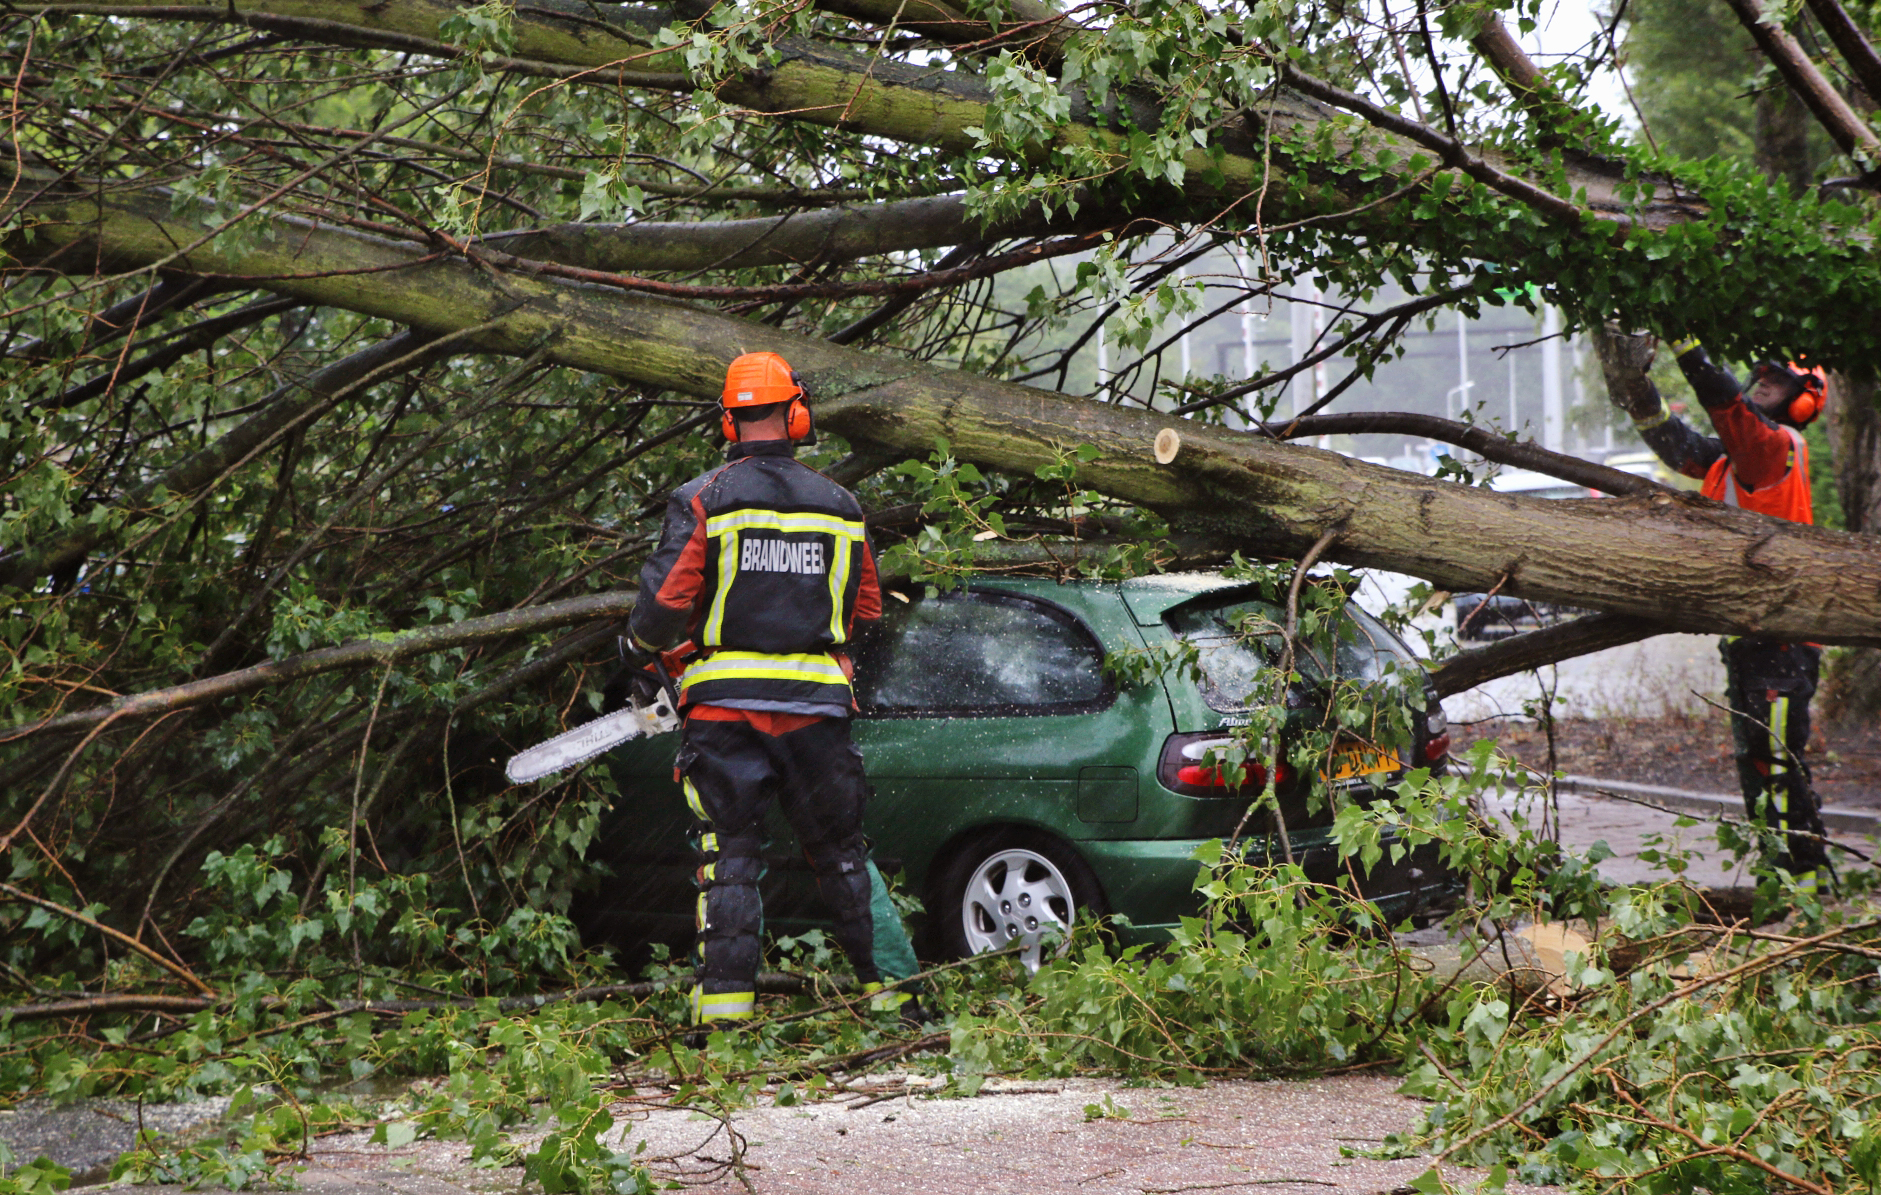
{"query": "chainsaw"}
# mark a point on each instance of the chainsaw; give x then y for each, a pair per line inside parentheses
(572, 748)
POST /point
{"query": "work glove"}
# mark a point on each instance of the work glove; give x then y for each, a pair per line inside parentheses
(633, 681)
(1624, 359)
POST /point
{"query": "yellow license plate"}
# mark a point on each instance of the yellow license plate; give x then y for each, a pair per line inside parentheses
(1358, 760)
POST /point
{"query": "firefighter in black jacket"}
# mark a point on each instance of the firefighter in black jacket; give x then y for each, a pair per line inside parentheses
(765, 565)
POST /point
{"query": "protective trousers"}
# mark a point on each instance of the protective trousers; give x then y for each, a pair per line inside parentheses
(1769, 687)
(731, 772)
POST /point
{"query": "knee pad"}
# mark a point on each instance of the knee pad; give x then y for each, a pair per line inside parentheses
(729, 861)
(842, 876)
(843, 857)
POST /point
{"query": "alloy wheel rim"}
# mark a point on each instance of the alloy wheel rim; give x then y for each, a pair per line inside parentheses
(1016, 897)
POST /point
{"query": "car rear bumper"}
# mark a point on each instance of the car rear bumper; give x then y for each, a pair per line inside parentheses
(1155, 878)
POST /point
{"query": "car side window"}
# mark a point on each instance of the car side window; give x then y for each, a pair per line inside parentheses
(978, 653)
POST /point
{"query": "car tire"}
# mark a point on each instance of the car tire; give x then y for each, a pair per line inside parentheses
(1011, 886)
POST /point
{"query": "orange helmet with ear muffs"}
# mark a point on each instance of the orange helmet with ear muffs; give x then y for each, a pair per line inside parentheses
(1812, 388)
(762, 380)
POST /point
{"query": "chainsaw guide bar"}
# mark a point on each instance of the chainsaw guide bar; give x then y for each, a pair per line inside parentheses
(572, 748)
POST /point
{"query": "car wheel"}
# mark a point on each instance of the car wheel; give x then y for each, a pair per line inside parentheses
(1013, 887)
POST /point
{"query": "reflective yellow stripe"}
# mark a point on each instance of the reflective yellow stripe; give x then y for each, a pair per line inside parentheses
(721, 1005)
(777, 520)
(758, 665)
(698, 809)
(714, 630)
(708, 842)
(1779, 747)
(1652, 421)
(838, 582)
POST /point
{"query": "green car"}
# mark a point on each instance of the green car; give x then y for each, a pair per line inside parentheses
(1018, 787)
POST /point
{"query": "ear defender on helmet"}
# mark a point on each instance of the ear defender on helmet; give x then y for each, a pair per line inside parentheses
(1809, 403)
(798, 424)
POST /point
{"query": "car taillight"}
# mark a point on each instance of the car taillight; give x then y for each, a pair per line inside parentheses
(1196, 776)
(1436, 736)
(1185, 768)
(1435, 749)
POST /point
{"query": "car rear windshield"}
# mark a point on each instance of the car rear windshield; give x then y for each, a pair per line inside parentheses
(978, 653)
(1239, 639)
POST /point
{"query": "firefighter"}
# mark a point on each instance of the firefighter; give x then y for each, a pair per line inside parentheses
(1758, 460)
(765, 565)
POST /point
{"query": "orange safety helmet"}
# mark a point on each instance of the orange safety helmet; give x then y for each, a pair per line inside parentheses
(1810, 400)
(762, 380)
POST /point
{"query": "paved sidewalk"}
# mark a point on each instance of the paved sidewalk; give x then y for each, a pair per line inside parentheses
(1861, 823)
(1013, 1139)
(1630, 826)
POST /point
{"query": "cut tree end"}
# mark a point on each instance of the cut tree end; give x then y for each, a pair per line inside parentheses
(1168, 443)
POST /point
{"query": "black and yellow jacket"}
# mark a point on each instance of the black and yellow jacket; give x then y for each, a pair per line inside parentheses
(765, 564)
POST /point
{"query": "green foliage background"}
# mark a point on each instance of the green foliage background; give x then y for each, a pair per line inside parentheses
(349, 837)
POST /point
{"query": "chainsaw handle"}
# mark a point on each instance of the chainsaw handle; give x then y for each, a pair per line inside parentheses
(666, 682)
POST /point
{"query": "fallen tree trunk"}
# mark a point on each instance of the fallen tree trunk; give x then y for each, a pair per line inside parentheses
(1668, 557)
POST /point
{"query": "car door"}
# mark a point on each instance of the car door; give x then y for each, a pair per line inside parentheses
(990, 706)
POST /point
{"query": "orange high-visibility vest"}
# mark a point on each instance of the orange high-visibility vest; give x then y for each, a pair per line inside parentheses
(1788, 498)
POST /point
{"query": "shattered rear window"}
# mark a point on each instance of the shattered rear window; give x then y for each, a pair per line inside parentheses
(978, 653)
(1239, 643)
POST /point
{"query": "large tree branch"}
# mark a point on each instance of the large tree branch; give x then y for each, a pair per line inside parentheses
(1856, 50)
(1849, 131)
(1738, 573)
(794, 239)
(834, 288)
(1537, 649)
(1039, 31)
(907, 103)
(121, 318)
(1520, 454)
(171, 349)
(1451, 152)
(1511, 63)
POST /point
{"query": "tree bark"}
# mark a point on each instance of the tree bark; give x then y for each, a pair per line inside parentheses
(1852, 684)
(793, 239)
(1832, 112)
(1669, 557)
(1854, 427)
(1856, 50)
(1537, 649)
